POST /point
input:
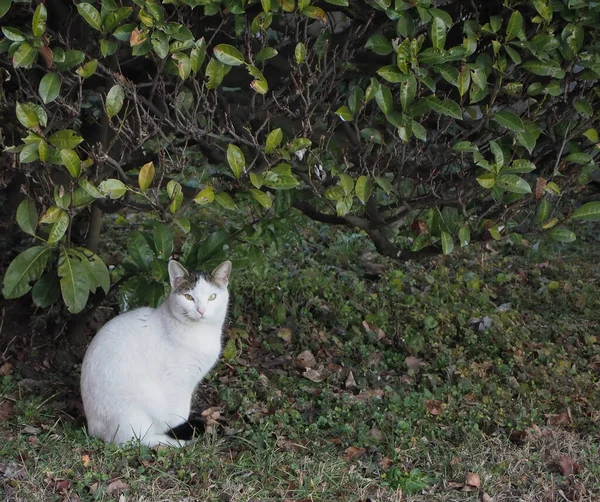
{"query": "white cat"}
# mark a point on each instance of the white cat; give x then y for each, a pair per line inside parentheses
(140, 370)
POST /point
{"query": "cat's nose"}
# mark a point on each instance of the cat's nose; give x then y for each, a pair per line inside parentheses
(201, 311)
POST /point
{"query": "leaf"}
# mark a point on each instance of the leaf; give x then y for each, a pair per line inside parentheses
(112, 187)
(465, 146)
(90, 14)
(446, 107)
(183, 64)
(434, 407)
(4, 7)
(592, 135)
(487, 180)
(300, 53)
(261, 197)
(447, 243)
(224, 200)
(344, 113)
(97, 268)
(299, 144)
(547, 68)
(515, 26)
(71, 161)
(27, 115)
(46, 290)
(88, 69)
(464, 81)
(230, 351)
(379, 45)
(273, 140)
(315, 13)
(73, 282)
(584, 107)
(437, 32)
(266, 53)
(65, 139)
(384, 99)
(59, 227)
(205, 196)
(347, 183)
(464, 236)
(236, 160)
(183, 223)
(163, 241)
(24, 56)
(89, 188)
(473, 480)
(146, 175)
(363, 189)
(215, 71)
(519, 166)
(513, 183)
(509, 120)
(544, 9)
(212, 245)
(562, 234)
(587, 212)
(38, 24)
(578, 158)
(27, 217)
(140, 251)
(198, 55)
(25, 268)
(114, 100)
(498, 153)
(229, 55)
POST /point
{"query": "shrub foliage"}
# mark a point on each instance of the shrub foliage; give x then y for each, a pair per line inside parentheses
(424, 124)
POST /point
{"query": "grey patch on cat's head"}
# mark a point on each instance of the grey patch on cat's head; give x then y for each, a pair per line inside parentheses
(182, 280)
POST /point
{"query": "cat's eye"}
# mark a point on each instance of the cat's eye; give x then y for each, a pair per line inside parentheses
(212, 297)
(189, 297)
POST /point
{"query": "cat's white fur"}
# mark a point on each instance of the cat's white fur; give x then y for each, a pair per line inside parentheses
(140, 370)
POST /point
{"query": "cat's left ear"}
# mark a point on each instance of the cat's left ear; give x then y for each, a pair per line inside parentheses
(177, 273)
(221, 274)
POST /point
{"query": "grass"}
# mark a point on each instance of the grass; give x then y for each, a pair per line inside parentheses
(481, 364)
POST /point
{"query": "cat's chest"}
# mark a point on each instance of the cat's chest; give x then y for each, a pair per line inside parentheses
(187, 369)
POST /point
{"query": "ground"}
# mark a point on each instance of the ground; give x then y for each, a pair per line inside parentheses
(347, 377)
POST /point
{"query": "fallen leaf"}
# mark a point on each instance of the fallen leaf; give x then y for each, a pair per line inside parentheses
(6, 369)
(414, 364)
(560, 419)
(369, 394)
(116, 486)
(62, 485)
(375, 433)
(352, 452)
(518, 437)
(212, 415)
(486, 498)
(472, 479)
(86, 460)
(374, 329)
(385, 463)
(313, 375)
(540, 186)
(568, 467)
(350, 382)
(30, 429)
(434, 406)
(285, 334)
(305, 359)
(453, 485)
(7, 410)
(287, 445)
(94, 488)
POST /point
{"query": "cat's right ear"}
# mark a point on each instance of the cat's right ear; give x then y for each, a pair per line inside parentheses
(177, 273)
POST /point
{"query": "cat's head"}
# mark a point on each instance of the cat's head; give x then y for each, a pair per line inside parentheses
(199, 297)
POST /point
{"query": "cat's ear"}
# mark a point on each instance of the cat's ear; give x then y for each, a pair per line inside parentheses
(176, 273)
(221, 274)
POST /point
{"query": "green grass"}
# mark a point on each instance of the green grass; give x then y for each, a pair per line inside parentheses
(531, 372)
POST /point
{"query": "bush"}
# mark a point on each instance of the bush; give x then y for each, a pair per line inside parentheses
(420, 125)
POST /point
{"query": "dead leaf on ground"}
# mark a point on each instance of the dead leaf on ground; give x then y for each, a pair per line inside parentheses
(287, 445)
(453, 485)
(313, 375)
(62, 485)
(285, 334)
(350, 382)
(414, 364)
(518, 437)
(352, 452)
(86, 460)
(486, 498)
(385, 463)
(30, 429)
(560, 419)
(378, 331)
(6, 369)
(94, 488)
(568, 467)
(375, 433)
(116, 486)
(305, 359)
(473, 480)
(434, 406)
(368, 394)
(212, 415)
(7, 410)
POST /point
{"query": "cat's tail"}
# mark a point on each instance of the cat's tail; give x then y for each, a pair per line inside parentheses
(188, 429)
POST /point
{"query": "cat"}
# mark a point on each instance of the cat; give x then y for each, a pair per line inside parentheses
(139, 373)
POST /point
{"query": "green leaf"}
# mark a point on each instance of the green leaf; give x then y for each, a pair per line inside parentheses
(266, 53)
(28, 266)
(513, 183)
(112, 187)
(437, 32)
(183, 64)
(384, 99)
(46, 290)
(487, 180)
(89, 188)
(341, 3)
(224, 200)
(544, 9)
(515, 28)
(163, 241)
(509, 120)
(13, 34)
(344, 113)
(230, 351)
(90, 14)
(116, 17)
(384, 184)
(347, 183)
(261, 197)
(96, 269)
(25, 56)
(4, 7)
(465, 146)
(26, 114)
(592, 135)
(215, 71)
(59, 227)
(108, 47)
(71, 59)
(38, 24)
(213, 245)
(88, 69)
(464, 81)
(65, 139)
(146, 175)
(300, 53)
(379, 45)
(584, 107)
(519, 166)
(205, 196)
(73, 282)
(273, 140)
(236, 160)
(114, 100)
(547, 68)
(447, 243)
(562, 234)
(363, 189)
(229, 55)
(315, 13)
(140, 252)
(587, 212)
(71, 161)
(498, 153)
(183, 223)
(446, 107)
(356, 99)
(372, 134)
(578, 158)
(464, 236)
(198, 55)
(29, 153)
(27, 217)
(392, 74)
(344, 205)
